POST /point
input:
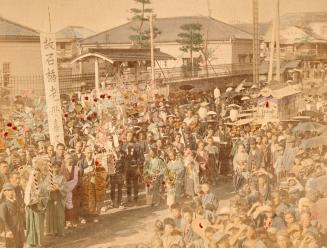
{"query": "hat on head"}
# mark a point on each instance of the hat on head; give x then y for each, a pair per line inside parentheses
(8, 186)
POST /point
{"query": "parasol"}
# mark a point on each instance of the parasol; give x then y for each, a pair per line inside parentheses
(244, 98)
(211, 113)
(229, 94)
(233, 105)
(195, 90)
(314, 142)
(186, 87)
(307, 126)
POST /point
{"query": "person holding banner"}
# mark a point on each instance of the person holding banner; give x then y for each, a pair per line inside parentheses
(36, 201)
(55, 214)
(70, 171)
(93, 184)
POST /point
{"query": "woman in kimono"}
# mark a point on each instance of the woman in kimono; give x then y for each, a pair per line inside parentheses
(154, 172)
(191, 174)
(55, 215)
(202, 157)
(213, 153)
(36, 200)
(70, 171)
(175, 178)
(93, 184)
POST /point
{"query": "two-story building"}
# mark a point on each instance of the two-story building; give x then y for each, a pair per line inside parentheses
(302, 36)
(67, 41)
(20, 53)
(227, 45)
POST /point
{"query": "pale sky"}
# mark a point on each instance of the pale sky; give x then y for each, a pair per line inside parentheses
(100, 15)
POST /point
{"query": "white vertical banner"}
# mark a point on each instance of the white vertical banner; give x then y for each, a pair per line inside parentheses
(51, 86)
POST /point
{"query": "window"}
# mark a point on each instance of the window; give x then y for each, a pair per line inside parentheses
(62, 45)
(186, 61)
(250, 58)
(6, 73)
(242, 58)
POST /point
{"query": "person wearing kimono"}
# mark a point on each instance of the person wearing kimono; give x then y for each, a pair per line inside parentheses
(93, 193)
(192, 169)
(10, 217)
(15, 180)
(174, 179)
(70, 171)
(213, 152)
(154, 172)
(36, 200)
(171, 236)
(55, 214)
(189, 235)
(202, 157)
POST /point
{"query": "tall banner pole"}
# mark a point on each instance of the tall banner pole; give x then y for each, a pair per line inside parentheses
(51, 86)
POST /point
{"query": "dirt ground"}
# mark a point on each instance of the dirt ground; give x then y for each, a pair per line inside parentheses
(124, 228)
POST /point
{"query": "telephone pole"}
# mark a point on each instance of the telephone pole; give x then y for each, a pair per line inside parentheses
(152, 53)
(275, 38)
(256, 45)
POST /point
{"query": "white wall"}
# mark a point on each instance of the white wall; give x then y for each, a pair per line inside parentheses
(24, 57)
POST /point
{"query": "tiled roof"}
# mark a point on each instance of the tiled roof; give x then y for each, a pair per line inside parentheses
(170, 28)
(13, 31)
(125, 55)
(74, 33)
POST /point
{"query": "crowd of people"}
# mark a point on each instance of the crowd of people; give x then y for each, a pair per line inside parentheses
(174, 149)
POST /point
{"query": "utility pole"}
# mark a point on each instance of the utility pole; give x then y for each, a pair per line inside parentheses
(277, 42)
(152, 53)
(275, 38)
(256, 45)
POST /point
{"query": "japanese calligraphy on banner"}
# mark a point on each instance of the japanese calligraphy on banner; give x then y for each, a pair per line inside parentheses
(51, 86)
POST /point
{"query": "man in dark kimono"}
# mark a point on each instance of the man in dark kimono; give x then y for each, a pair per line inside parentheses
(256, 159)
(19, 195)
(117, 178)
(9, 215)
(78, 154)
(134, 158)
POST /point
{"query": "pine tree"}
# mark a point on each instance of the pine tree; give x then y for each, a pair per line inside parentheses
(140, 15)
(191, 40)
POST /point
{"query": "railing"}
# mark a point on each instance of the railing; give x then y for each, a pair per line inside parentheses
(171, 75)
(69, 83)
(33, 84)
(307, 54)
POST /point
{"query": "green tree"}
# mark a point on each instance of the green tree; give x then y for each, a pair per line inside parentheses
(140, 16)
(191, 40)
